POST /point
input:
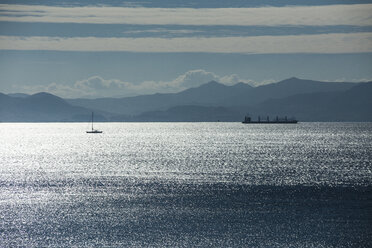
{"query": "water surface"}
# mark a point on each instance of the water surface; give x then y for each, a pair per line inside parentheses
(186, 185)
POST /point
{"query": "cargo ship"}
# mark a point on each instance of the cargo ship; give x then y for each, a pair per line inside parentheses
(277, 120)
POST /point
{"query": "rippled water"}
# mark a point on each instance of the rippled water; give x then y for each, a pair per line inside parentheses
(186, 185)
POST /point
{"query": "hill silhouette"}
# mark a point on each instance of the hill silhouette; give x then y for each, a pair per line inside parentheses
(212, 94)
(40, 107)
(305, 99)
(354, 104)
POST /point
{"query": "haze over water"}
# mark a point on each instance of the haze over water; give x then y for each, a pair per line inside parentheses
(186, 184)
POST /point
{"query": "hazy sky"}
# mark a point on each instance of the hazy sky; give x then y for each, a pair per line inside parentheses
(87, 49)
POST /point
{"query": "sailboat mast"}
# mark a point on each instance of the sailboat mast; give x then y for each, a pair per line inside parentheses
(92, 121)
(93, 131)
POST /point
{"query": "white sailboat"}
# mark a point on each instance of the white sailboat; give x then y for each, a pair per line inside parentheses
(94, 130)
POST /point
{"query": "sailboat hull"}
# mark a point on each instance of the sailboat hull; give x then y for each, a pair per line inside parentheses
(95, 131)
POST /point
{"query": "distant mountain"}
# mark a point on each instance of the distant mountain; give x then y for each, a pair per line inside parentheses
(305, 99)
(354, 104)
(40, 107)
(212, 94)
(295, 85)
(21, 95)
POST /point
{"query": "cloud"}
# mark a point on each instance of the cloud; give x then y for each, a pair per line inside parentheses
(195, 78)
(316, 43)
(96, 86)
(353, 14)
(98, 83)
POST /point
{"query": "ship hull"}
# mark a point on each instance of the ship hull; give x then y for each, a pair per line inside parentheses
(270, 122)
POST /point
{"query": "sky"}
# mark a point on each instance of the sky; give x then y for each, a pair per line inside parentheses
(117, 48)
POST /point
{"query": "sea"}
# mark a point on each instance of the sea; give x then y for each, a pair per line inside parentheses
(186, 185)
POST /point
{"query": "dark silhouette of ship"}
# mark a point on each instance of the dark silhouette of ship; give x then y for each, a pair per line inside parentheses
(277, 120)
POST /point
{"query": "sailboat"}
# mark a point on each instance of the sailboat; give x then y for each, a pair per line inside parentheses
(94, 130)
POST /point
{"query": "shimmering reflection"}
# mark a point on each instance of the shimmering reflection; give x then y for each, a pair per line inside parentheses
(185, 184)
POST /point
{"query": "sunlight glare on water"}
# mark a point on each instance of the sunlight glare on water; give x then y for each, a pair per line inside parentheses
(185, 184)
(309, 153)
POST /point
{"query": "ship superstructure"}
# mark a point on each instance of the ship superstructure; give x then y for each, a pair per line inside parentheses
(276, 120)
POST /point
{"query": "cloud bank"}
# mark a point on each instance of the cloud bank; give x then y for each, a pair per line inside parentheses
(96, 86)
(351, 15)
(318, 43)
(354, 14)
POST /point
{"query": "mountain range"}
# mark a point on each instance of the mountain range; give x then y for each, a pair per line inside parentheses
(306, 100)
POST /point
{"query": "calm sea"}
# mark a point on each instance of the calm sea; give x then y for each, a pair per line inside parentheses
(186, 185)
